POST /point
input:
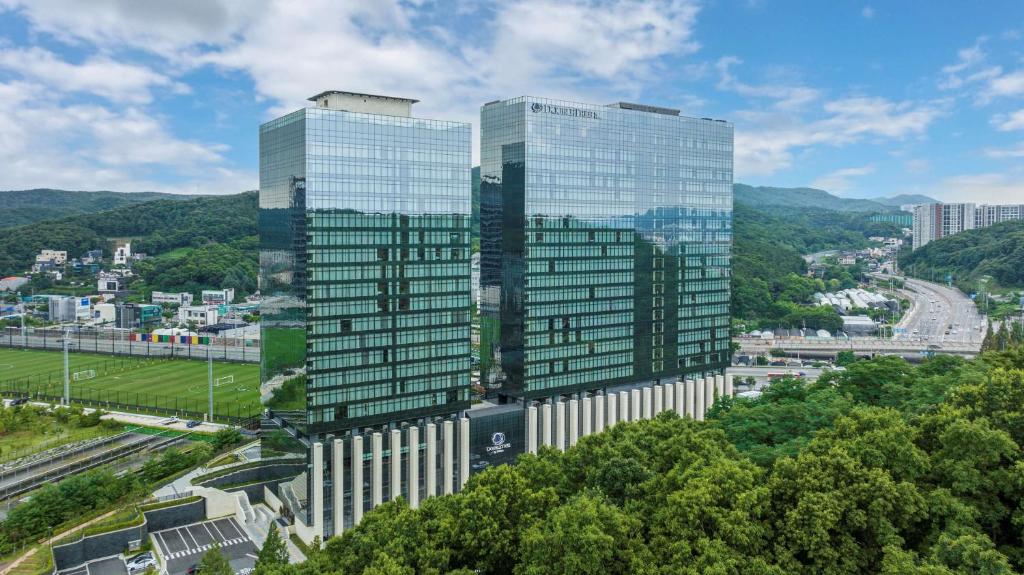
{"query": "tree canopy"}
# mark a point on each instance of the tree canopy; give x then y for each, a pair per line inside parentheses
(885, 467)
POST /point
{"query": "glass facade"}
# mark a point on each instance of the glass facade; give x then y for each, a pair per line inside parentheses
(605, 245)
(365, 266)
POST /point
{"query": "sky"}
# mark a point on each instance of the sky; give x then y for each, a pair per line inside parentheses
(862, 99)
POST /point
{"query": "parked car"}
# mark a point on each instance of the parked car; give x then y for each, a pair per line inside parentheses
(192, 423)
(140, 562)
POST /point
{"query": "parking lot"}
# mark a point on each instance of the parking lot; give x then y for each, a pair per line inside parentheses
(108, 566)
(182, 547)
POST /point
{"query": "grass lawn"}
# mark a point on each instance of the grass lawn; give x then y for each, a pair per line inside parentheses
(177, 384)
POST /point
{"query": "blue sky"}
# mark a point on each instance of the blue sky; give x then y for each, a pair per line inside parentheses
(860, 98)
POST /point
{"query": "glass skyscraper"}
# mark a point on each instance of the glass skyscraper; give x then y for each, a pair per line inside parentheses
(605, 245)
(364, 263)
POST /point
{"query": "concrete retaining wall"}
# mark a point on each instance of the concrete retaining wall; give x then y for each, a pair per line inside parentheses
(96, 547)
(176, 516)
(106, 544)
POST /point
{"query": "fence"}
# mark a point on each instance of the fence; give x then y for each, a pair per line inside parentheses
(235, 413)
(120, 342)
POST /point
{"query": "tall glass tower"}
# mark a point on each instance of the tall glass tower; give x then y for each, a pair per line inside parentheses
(605, 246)
(364, 263)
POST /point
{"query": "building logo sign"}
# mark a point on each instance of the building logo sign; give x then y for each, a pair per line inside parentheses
(499, 444)
(537, 108)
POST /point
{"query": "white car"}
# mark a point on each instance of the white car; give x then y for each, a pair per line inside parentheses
(140, 562)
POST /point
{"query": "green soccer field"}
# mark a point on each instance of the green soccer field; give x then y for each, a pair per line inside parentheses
(166, 384)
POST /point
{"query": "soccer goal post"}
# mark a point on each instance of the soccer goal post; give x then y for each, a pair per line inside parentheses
(226, 380)
(83, 375)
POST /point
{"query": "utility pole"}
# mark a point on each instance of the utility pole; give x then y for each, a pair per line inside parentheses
(67, 369)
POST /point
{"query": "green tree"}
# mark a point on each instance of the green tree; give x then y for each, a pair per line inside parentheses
(215, 563)
(273, 553)
(585, 536)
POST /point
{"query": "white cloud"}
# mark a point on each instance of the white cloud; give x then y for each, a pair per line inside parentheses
(766, 141)
(87, 146)
(592, 50)
(1016, 151)
(786, 96)
(115, 81)
(867, 12)
(1003, 85)
(995, 188)
(1009, 122)
(841, 181)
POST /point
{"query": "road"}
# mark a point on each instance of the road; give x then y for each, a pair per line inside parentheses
(936, 310)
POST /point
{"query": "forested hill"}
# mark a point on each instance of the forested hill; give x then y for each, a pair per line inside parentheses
(156, 227)
(996, 251)
(768, 279)
(804, 198)
(22, 207)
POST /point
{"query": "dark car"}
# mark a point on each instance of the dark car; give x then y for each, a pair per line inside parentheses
(194, 569)
(19, 401)
(192, 423)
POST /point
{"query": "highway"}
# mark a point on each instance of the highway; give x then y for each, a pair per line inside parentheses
(937, 310)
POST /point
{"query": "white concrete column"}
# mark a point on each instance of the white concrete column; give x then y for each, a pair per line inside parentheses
(560, 425)
(698, 401)
(574, 421)
(624, 406)
(413, 462)
(613, 409)
(464, 451)
(377, 469)
(691, 399)
(448, 457)
(545, 424)
(318, 489)
(430, 465)
(587, 413)
(659, 400)
(338, 484)
(719, 386)
(729, 384)
(669, 393)
(395, 445)
(645, 411)
(531, 429)
(357, 479)
(599, 413)
(635, 403)
(680, 398)
(709, 393)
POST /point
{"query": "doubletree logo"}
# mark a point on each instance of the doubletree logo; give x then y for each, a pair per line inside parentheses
(537, 107)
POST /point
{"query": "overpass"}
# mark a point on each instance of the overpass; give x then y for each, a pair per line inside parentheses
(829, 347)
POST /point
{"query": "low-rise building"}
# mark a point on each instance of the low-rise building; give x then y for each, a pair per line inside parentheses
(123, 254)
(218, 296)
(58, 257)
(202, 315)
(179, 298)
(64, 309)
(137, 315)
(104, 313)
(108, 283)
(12, 283)
(859, 325)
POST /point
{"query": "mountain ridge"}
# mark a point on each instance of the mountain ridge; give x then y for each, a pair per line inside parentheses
(22, 207)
